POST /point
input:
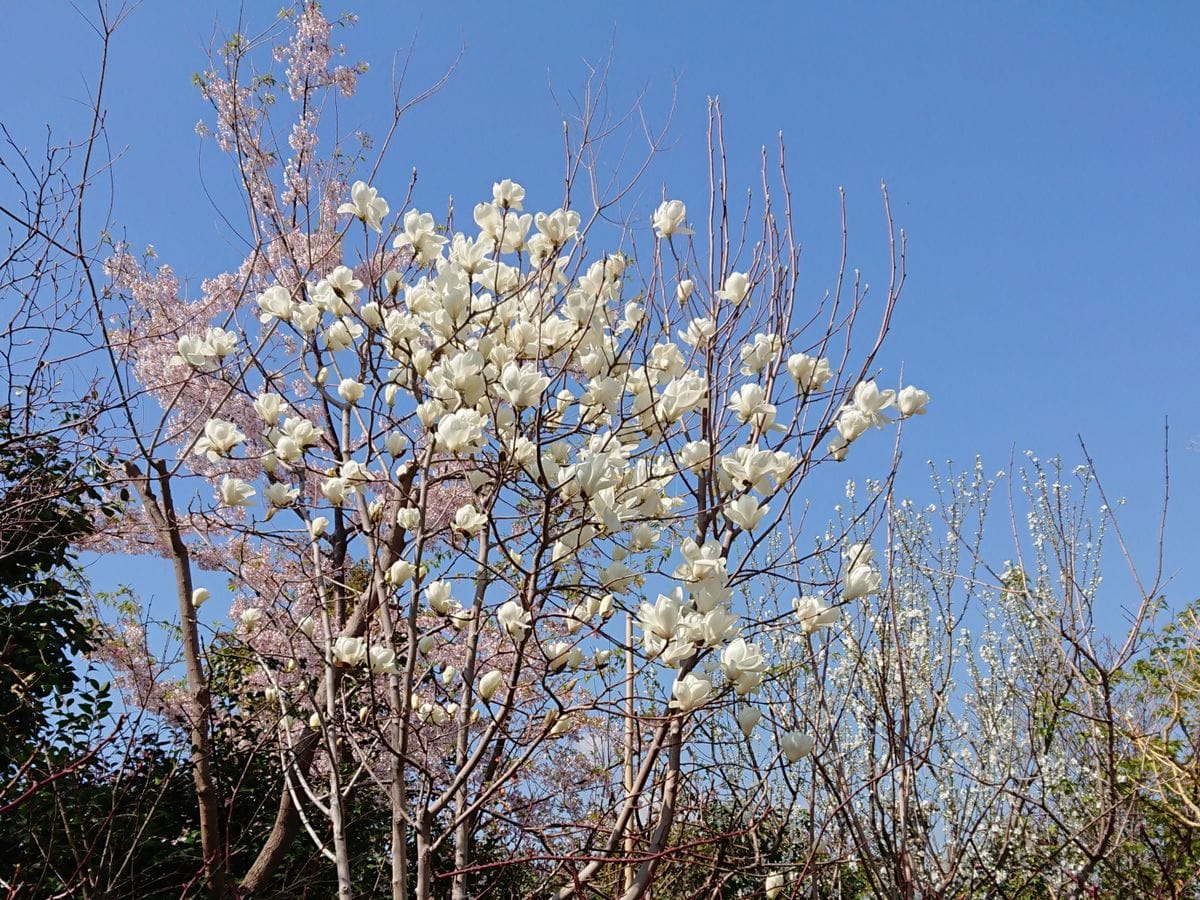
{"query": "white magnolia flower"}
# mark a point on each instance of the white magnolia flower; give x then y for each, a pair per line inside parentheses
(438, 595)
(235, 492)
(219, 439)
(280, 495)
(852, 423)
(489, 684)
(461, 432)
(683, 290)
(251, 617)
(275, 303)
(911, 401)
(349, 651)
(307, 626)
(747, 718)
(813, 613)
(690, 692)
(421, 234)
(409, 518)
(858, 554)
(194, 352)
(871, 402)
(199, 595)
(670, 218)
(400, 572)
(795, 746)
(468, 520)
(838, 448)
(559, 226)
(774, 884)
(745, 512)
(743, 665)
(663, 617)
(508, 193)
(737, 286)
(317, 526)
(269, 408)
(221, 342)
(351, 390)
(514, 618)
(366, 204)
(382, 661)
(861, 581)
(522, 386)
(809, 373)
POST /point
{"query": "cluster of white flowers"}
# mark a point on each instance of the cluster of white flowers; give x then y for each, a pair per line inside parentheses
(498, 364)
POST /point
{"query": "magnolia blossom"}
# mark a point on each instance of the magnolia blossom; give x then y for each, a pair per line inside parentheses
(669, 219)
(911, 402)
(737, 287)
(218, 440)
(489, 684)
(468, 520)
(860, 581)
(683, 291)
(351, 390)
(774, 883)
(795, 746)
(870, 401)
(813, 613)
(438, 595)
(852, 424)
(235, 492)
(514, 619)
(746, 512)
(382, 661)
(366, 204)
(280, 495)
(508, 193)
(400, 572)
(809, 373)
(690, 692)
(421, 234)
(251, 617)
(349, 651)
(747, 718)
(461, 432)
(743, 665)
(194, 352)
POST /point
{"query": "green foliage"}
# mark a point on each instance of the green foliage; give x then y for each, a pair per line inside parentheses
(48, 501)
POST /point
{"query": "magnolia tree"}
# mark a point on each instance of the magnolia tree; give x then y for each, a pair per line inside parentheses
(490, 507)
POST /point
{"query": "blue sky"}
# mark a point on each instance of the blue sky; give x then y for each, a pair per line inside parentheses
(1044, 160)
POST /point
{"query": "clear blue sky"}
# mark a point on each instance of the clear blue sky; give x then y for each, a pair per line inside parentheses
(1044, 160)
